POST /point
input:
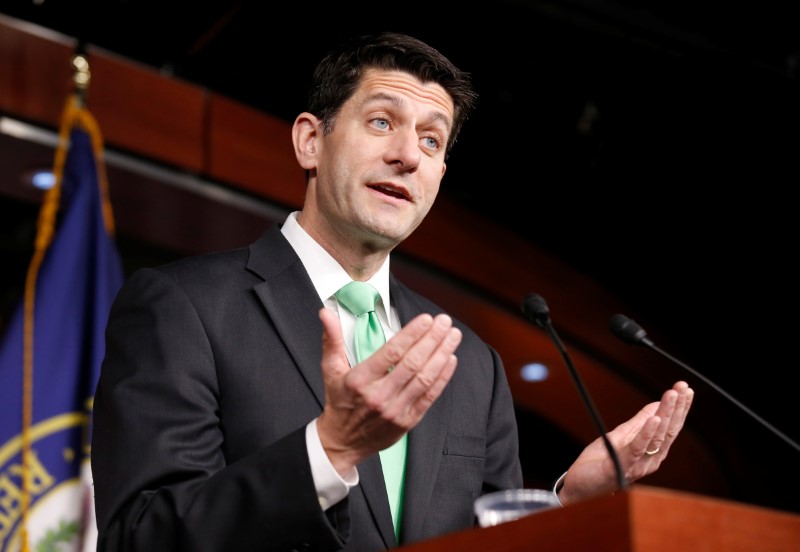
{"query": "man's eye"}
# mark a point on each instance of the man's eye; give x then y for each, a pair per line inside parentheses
(382, 124)
(431, 143)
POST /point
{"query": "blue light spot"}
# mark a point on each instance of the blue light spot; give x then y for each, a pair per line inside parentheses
(535, 371)
(44, 180)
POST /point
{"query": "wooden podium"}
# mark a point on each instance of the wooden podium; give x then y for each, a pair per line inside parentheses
(641, 519)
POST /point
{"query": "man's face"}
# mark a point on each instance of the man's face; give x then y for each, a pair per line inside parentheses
(379, 170)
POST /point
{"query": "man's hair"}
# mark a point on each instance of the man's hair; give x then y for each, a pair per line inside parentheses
(339, 73)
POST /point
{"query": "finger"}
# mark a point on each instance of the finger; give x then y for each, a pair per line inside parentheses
(427, 376)
(427, 398)
(646, 438)
(426, 384)
(425, 358)
(666, 407)
(681, 410)
(658, 444)
(685, 399)
(334, 354)
(395, 349)
(425, 362)
(672, 410)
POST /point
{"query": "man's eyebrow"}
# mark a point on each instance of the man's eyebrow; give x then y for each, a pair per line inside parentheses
(384, 96)
(439, 116)
(397, 100)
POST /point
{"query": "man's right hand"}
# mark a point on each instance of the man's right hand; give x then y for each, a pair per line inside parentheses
(369, 407)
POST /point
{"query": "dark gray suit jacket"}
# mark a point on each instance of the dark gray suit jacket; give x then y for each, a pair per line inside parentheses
(212, 372)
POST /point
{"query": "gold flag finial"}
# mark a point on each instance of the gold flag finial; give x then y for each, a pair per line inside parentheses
(81, 76)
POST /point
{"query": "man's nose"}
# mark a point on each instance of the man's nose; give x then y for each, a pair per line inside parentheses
(404, 149)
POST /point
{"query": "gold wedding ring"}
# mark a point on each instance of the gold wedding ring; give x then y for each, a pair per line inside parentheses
(652, 452)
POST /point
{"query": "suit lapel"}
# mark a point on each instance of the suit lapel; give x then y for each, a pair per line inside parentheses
(291, 303)
(370, 475)
(371, 472)
(425, 446)
(425, 443)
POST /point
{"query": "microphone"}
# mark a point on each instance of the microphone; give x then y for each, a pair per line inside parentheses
(535, 309)
(631, 332)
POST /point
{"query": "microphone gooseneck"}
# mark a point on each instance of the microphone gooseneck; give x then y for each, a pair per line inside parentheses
(535, 309)
(631, 332)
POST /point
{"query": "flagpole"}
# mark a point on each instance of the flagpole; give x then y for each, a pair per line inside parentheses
(73, 113)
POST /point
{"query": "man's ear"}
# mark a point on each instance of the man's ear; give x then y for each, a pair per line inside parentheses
(306, 129)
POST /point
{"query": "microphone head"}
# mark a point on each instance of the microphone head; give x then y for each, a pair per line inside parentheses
(627, 330)
(534, 307)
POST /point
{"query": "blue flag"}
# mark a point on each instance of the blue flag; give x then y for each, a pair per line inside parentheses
(51, 353)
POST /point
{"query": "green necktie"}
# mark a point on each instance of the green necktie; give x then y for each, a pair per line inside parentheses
(360, 298)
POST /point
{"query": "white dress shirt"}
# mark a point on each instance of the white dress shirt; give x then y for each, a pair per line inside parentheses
(328, 276)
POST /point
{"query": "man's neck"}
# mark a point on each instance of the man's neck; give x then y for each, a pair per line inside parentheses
(361, 260)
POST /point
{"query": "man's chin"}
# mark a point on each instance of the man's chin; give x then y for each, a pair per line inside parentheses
(385, 239)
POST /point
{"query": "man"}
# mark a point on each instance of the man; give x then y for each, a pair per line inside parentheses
(223, 422)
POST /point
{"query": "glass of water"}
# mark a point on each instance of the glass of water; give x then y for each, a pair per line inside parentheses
(501, 506)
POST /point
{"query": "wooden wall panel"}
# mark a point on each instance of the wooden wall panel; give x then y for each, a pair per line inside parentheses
(482, 272)
(254, 151)
(142, 111)
(35, 72)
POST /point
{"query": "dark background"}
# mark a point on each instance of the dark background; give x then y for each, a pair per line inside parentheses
(652, 145)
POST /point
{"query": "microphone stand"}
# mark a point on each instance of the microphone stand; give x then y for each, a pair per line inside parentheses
(535, 309)
(630, 332)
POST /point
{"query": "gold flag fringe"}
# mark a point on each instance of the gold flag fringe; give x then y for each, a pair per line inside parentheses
(73, 115)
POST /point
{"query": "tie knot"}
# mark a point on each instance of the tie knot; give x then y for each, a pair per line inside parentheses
(358, 297)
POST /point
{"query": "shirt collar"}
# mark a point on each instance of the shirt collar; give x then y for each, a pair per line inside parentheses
(326, 274)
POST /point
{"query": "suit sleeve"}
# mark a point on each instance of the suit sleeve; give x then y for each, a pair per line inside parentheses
(161, 478)
(503, 468)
